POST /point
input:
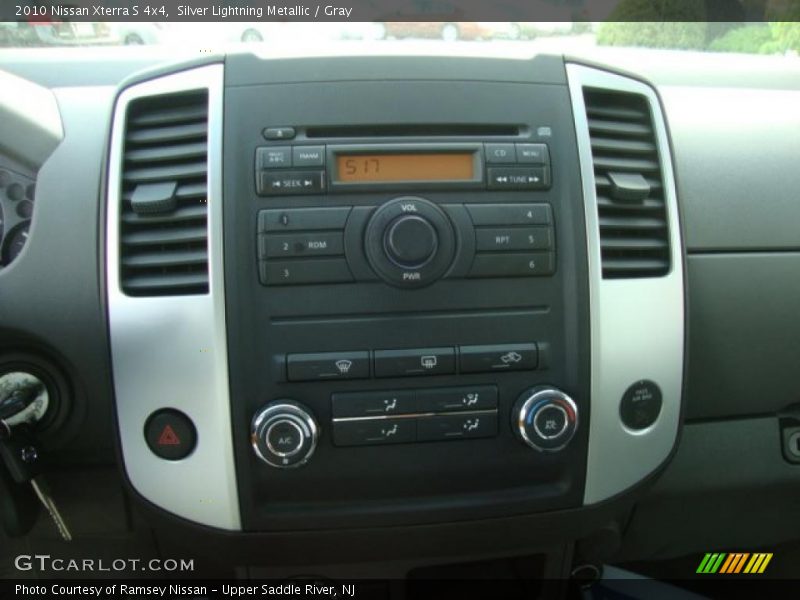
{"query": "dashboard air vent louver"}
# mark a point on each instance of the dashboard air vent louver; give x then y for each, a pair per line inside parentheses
(163, 229)
(634, 237)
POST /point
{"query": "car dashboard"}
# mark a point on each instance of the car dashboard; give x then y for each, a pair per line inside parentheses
(361, 315)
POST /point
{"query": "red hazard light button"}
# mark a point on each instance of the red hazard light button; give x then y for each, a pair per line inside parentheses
(170, 434)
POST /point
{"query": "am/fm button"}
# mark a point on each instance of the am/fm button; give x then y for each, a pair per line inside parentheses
(308, 156)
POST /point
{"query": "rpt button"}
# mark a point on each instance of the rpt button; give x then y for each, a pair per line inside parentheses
(513, 238)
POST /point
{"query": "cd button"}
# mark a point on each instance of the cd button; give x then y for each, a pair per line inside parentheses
(500, 153)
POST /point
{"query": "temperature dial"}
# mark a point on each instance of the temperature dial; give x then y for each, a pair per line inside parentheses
(545, 418)
(284, 434)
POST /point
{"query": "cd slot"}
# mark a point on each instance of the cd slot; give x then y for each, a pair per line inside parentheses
(426, 130)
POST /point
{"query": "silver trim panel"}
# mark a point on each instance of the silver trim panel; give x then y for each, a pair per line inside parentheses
(171, 351)
(637, 325)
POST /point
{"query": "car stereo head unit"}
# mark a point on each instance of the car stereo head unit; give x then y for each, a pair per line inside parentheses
(410, 302)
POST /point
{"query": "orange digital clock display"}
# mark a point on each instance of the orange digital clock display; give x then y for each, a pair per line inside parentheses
(397, 168)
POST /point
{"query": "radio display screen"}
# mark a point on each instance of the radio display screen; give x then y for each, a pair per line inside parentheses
(392, 168)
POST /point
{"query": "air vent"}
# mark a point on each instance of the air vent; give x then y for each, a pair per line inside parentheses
(634, 237)
(163, 229)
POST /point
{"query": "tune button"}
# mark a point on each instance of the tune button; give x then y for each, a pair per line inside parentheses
(410, 241)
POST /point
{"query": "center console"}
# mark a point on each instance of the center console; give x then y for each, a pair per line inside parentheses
(430, 295)
(409, 317)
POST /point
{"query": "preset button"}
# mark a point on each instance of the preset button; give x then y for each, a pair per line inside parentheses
(300, 244)
(509, 214)
(510, 264)
(304, 271)
(513, 238)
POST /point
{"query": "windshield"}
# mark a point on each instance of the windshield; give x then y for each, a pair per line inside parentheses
(568, 36)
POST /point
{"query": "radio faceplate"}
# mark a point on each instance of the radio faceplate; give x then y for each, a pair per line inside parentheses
(405, 291)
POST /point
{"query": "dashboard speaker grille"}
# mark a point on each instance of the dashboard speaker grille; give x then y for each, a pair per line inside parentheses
(164, 212)
(634, 237)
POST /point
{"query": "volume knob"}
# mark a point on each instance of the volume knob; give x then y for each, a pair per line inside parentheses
(284, 434)
(545, 418)
(410, 241)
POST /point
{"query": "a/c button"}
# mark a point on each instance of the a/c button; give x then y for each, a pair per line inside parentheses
(284, 438)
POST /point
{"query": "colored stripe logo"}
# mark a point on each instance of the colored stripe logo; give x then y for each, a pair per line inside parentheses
(734, 563)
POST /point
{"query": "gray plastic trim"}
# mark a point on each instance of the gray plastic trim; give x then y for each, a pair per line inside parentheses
(30, 121)
(171, 351)
(637, 325)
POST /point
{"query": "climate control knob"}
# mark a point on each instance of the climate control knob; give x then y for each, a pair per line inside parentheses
(545, 418)
(284, 434)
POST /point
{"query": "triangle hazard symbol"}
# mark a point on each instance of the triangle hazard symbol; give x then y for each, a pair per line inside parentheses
(168, 437)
